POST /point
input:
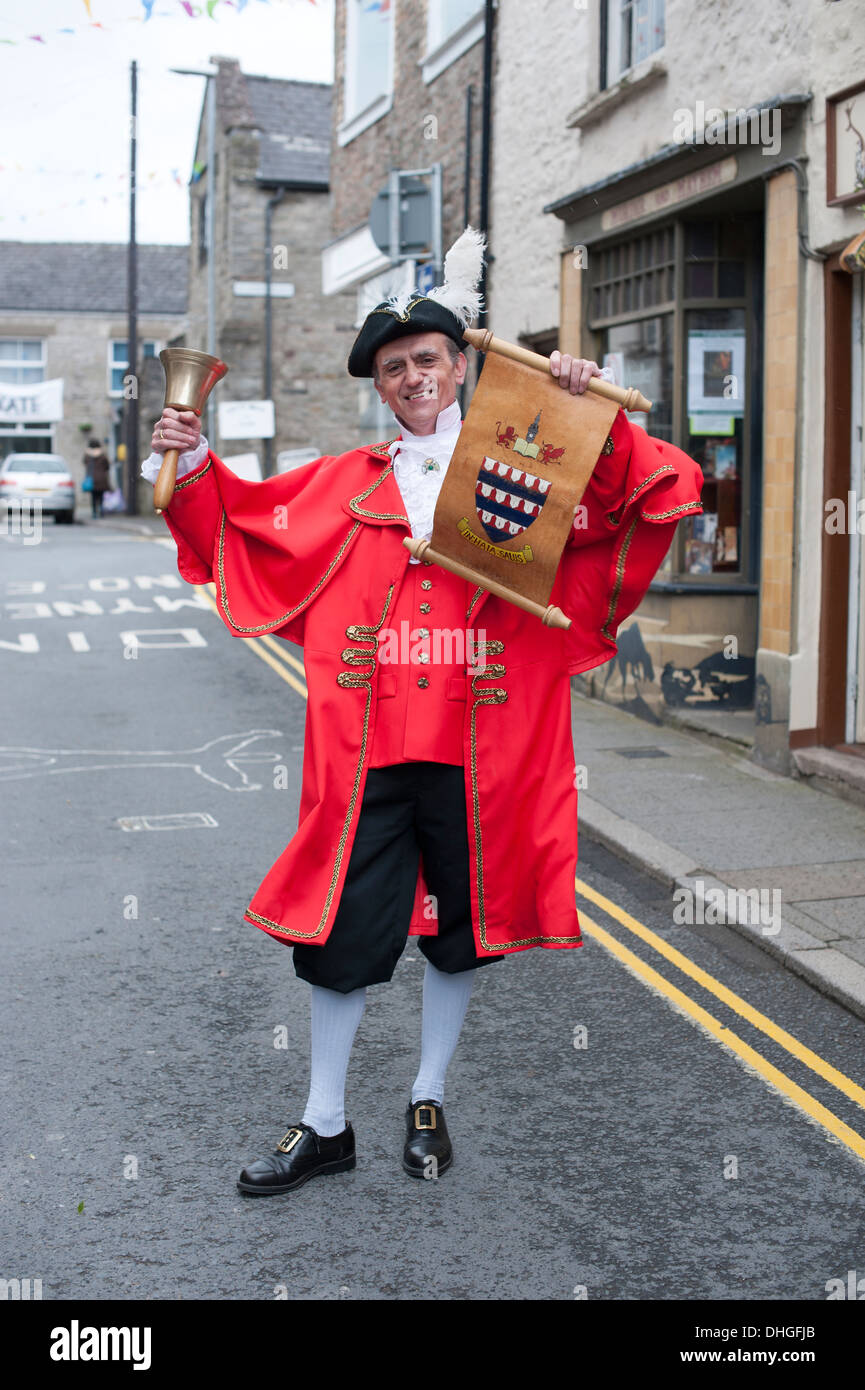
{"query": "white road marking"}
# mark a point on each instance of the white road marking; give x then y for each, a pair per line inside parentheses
(214, 760)
(139, 638)
(179, 820)
(78, 642)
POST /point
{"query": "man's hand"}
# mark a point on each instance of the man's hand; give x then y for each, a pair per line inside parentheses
(573, 373)
(176, 429)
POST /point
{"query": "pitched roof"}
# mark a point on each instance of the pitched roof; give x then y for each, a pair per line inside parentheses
(294, 120)
(56, 276)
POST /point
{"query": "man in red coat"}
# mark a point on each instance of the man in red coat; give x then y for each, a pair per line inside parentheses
(438, 795)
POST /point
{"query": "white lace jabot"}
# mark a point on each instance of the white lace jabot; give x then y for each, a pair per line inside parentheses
(415, 458)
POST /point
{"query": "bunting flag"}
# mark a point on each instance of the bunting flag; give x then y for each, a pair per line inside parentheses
(194, 10)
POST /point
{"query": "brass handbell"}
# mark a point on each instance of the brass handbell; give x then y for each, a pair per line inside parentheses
(190, 377)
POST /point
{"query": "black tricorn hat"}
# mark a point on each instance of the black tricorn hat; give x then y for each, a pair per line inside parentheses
(447, 309)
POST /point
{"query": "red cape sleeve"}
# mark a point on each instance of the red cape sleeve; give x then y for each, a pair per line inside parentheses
(628, 515)
(268, 547)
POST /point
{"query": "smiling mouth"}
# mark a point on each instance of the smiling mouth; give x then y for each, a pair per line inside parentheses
(426, 393)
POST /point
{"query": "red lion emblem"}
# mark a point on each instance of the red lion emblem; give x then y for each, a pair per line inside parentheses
(550, 455)
(507, 436)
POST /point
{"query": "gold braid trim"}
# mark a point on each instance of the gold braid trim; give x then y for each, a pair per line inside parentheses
(617, 515)
(289, 613)
(475, 596)
(193, 477)
(358, 510)
(353, 680)
(380, 448)
(620, 576)
(406, 314)
(674, 511)
(494, 696)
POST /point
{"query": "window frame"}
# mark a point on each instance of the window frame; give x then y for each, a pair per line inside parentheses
(354, 119)
(115, 364)
(442, 48)
(611, 32)
(16, 366)
(744, 578)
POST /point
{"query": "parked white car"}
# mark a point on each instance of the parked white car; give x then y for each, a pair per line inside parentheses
(28, 478)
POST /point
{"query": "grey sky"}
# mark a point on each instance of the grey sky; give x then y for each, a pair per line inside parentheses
(64, 105)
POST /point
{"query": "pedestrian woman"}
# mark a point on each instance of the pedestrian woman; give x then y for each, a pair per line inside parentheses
(97, 468)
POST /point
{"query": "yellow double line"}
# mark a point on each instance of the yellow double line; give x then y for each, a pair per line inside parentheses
(271, 651)
(287, 666)
(771, 1074)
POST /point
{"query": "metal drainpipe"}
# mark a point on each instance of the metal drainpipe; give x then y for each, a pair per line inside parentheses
(268, 317)
(486, 141)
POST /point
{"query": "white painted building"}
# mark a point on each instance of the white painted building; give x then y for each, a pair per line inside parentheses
(663, 193)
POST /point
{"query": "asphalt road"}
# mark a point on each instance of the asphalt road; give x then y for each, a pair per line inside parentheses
(154, 1042)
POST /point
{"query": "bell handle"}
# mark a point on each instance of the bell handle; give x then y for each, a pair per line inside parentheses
(163, 489)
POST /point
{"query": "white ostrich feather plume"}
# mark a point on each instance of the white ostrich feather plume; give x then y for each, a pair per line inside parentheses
(463, 267)
(400, 302)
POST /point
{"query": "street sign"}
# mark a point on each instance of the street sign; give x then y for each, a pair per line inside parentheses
(405, 217)
(257, 289)
(426, 278)
(246, 420)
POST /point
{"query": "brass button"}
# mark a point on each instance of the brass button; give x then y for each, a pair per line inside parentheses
(426, 583)
(427, 562)
(423, 632)
(425, 608)
(423, 682)
(423, 658)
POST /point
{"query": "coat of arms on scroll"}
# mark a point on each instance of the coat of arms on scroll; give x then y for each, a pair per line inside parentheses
(523, 458)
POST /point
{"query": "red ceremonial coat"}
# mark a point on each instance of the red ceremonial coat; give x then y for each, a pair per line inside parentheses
(315, 556)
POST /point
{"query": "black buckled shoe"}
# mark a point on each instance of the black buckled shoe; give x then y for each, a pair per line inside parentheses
(299, 1156)
(428, 1150)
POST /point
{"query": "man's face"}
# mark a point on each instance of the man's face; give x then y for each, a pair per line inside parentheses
(416, 378)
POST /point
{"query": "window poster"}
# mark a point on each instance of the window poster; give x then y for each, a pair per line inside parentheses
(716, 371)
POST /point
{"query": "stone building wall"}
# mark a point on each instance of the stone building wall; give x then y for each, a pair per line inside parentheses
(312, 334)
(426, 125)
(76, 349)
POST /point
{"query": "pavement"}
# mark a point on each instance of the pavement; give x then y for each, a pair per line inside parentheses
(713, 826)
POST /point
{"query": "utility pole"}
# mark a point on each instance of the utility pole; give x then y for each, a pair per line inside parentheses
(268, 315)
(131, 421)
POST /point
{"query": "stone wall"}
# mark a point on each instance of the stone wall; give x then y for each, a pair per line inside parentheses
(311, 335)
(426, 125)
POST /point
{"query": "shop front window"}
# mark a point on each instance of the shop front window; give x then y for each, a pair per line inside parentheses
(691, 355)
(715, 437)
(640, 354)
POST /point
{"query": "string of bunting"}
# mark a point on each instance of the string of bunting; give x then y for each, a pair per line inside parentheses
(194, 10)
(18, 168)
(154, 182)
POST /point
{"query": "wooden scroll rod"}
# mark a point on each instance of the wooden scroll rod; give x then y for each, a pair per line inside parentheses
(628, 397)
(550, 616)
